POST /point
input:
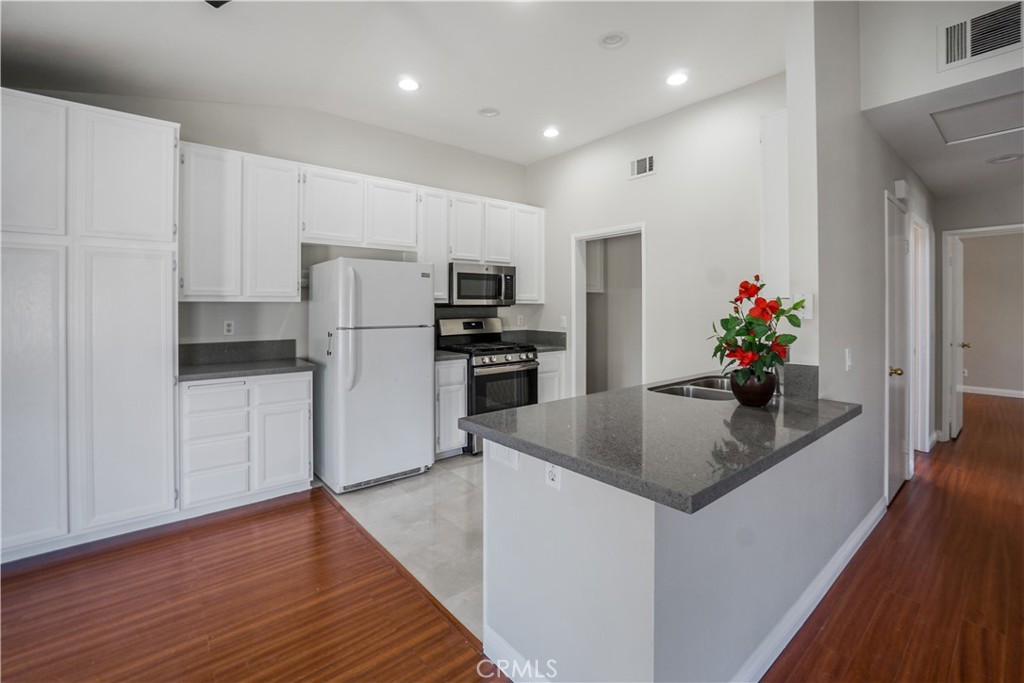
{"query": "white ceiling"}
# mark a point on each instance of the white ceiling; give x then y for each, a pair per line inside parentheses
(538, 62)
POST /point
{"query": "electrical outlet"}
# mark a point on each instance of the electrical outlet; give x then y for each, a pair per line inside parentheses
(965, 372)
(563, 322)
(229, 328)
(519, 320)
(553, 476)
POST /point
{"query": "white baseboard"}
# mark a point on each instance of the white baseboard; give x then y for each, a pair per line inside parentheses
(933, 440)
(513, 664)
(775, 642)
(1009, 393)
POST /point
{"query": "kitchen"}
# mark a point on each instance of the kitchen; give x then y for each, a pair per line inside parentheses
(523, 213)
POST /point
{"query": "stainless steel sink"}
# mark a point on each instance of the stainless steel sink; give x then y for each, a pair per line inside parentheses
(710, 388)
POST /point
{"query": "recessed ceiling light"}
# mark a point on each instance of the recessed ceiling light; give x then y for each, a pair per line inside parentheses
(488, 112)
(551, 132)
(613, 40)
(408, 83)
(1005, 159)
(678, 78)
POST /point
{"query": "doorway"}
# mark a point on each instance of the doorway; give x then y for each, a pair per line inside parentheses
(613, 313)
(632, 370)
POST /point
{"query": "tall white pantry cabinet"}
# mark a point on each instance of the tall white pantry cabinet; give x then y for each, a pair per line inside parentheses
(89, 319)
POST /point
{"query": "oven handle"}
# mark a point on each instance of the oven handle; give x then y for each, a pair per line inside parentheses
(502, 369)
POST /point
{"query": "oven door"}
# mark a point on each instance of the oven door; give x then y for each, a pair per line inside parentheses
(503, 386)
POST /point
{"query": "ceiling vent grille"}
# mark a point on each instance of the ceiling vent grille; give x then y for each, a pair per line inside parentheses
(638, 168)
(980, 37)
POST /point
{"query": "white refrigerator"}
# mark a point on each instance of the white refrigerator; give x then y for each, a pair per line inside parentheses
(371, 335)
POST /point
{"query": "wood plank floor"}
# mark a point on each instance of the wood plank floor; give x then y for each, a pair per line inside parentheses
(291, 589)
(936, 593)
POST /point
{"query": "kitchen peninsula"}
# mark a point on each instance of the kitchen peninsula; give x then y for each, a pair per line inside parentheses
(634, 535)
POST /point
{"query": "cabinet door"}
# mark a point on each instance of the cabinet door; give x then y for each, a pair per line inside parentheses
(550, 375)
(211, 222)
(390, 215)
(34, 455)
(122, 408)
(34, 164)
(332, 207)
(528, 223)
(467, 228)
(450, 383)
(283, 444)
(270, 216)
(498, 233)
(122, 176)
(433, 240)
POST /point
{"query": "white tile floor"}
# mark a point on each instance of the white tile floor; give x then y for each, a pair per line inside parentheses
(433, 524)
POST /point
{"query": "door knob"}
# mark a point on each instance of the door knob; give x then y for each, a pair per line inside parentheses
(898, 372)
(965, 345)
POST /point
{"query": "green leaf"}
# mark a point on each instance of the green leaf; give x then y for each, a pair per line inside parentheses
(786, 339)
(793, 320)
(798, 305)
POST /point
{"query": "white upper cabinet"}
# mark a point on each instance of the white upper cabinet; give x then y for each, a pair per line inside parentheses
(270, 233)
(467, 228)
(211, 222)
(391, 215)
(433, 238)
(121, 181)
(332, 206)
(34, 141)
(122, 385)
(498, 232)
(528, 226)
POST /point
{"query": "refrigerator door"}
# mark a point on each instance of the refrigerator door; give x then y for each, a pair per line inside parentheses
(385, 407)
(384, 294)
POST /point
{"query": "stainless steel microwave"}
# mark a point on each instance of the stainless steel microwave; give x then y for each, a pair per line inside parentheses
(477, 284)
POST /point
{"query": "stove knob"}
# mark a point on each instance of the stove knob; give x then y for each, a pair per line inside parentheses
(493, 359)
(524, 356)
(508, 356)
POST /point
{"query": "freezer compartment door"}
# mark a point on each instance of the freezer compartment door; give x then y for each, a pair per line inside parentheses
(386, 402)
(385, 293)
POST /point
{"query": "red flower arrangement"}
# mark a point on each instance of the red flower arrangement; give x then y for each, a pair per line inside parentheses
(750, 339)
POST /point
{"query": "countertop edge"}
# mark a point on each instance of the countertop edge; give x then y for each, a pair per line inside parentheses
(297, 365)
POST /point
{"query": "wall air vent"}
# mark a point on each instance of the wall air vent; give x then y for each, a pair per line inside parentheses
(638, 168)
(980, 37)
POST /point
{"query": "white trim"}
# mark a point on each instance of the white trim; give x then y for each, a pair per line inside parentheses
(922, 240)
(934, 440)
(499, 651)
(771, 647)
(1010, 393)
(577, 334)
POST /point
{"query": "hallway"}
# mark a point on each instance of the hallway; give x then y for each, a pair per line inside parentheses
(936, 592)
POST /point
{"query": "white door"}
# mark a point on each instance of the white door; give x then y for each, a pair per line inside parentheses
(34, 455)
(897, 332)
(529, 249)
(956, 397)
(270, 236)
(385, 414)
(332, 207)
(384, 294)
(433, 238)
(450, 380)
(34, 164)
(122, 392)
(283, 444)
(498, 233)
(122, 176)
(467, 231)
(211, 222)
(390, 215)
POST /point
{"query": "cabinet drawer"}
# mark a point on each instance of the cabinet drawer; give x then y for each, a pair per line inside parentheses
(448, 374)
(283, 391)
(210, 486)
(204, 397)
(218, 424)
(210, 454)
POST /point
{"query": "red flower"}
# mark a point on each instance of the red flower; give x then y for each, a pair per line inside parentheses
(747, 291)
(763, 309)
(745, 358)
(780, 349)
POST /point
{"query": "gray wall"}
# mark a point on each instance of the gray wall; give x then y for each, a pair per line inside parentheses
(993, 302)
(614, 320)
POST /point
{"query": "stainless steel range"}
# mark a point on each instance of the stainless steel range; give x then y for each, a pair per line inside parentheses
(502, 374)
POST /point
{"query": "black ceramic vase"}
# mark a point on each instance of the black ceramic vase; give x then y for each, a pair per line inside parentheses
(753, 393)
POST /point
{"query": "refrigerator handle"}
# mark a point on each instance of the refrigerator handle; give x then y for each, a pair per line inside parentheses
(351, 297)
(350, 366)
(330, 336)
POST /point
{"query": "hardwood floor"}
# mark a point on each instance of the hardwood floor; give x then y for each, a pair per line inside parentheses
(936, 593)
(285, 590)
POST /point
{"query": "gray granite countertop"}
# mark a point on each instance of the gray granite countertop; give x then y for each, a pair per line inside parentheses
(681, 452)
(188, 373)
(449, 355)
(548, 348)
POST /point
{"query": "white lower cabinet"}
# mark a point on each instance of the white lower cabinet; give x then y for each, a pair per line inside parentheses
(244, 435)
(451, 403)
(550, 376)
